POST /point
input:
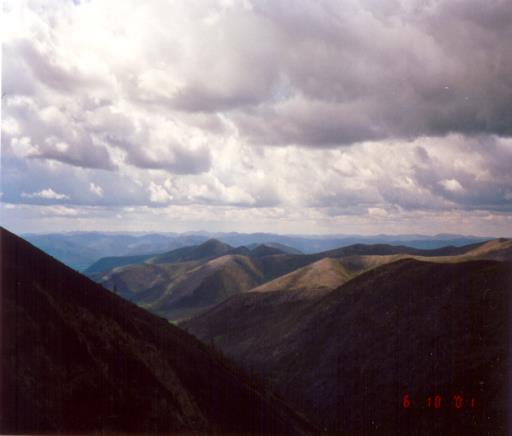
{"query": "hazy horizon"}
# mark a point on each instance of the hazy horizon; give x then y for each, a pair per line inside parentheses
(312, 235)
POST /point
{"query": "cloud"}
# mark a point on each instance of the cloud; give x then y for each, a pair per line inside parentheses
(173, 158)
(158, 194)
(275, 220)
(451, 185)
(344, 109)
(357, 71)
(64, 211)
(328, 74)
(46, 194)
(53, 133)
(377, 212)
(96, 189)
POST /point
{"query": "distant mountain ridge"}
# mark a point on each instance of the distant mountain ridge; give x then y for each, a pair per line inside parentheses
(214, 247)
(266, 250)
(188, 280)
(207, 250)
(81, 249)
(183, 288)
(78, 359)
(387, 249)
(108, 263)
(276, 245)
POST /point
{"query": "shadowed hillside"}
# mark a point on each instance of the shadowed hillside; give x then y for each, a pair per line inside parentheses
(321, 276)
(405, 328)
(214, 248)
(108, 263)
(280, 247)
(77, 358)
(205, 251)
(386, 249)
(81, 250)
(189, 280)
(174, 290)
(193, 279)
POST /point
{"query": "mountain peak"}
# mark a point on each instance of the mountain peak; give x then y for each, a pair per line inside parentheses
(214, 246)
(212, 242)
(265, 250)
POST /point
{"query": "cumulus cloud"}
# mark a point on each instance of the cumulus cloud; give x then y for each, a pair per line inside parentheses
(326, 74)
(158, 194)
(377, 211)
(96, 189)
(47, 194)
(451, 185)
(356, 71)
(41, 131)
(374, 109)
(60, 211)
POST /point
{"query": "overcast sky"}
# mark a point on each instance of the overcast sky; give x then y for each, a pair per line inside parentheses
(370, 116)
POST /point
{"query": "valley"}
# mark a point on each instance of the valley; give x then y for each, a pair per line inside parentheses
(256, 217)
(189, 280)
(79, 359)
(342, 336)
(348, 356)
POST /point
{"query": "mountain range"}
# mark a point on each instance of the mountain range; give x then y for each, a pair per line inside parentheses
(358, 340)
(351, 348)
(77, 358)
(189, 280)
(80, 250)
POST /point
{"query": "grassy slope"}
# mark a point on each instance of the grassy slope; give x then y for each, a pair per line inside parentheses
(175, 290)
(321, 276)
(406, 327)
(188, 281)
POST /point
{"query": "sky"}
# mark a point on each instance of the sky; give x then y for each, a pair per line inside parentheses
(312, 117)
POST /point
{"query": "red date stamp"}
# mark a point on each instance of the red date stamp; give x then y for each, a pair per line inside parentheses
(457, 402)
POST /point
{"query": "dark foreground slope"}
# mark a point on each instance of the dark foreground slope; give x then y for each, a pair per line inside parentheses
(407, 328)
(76, 358)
